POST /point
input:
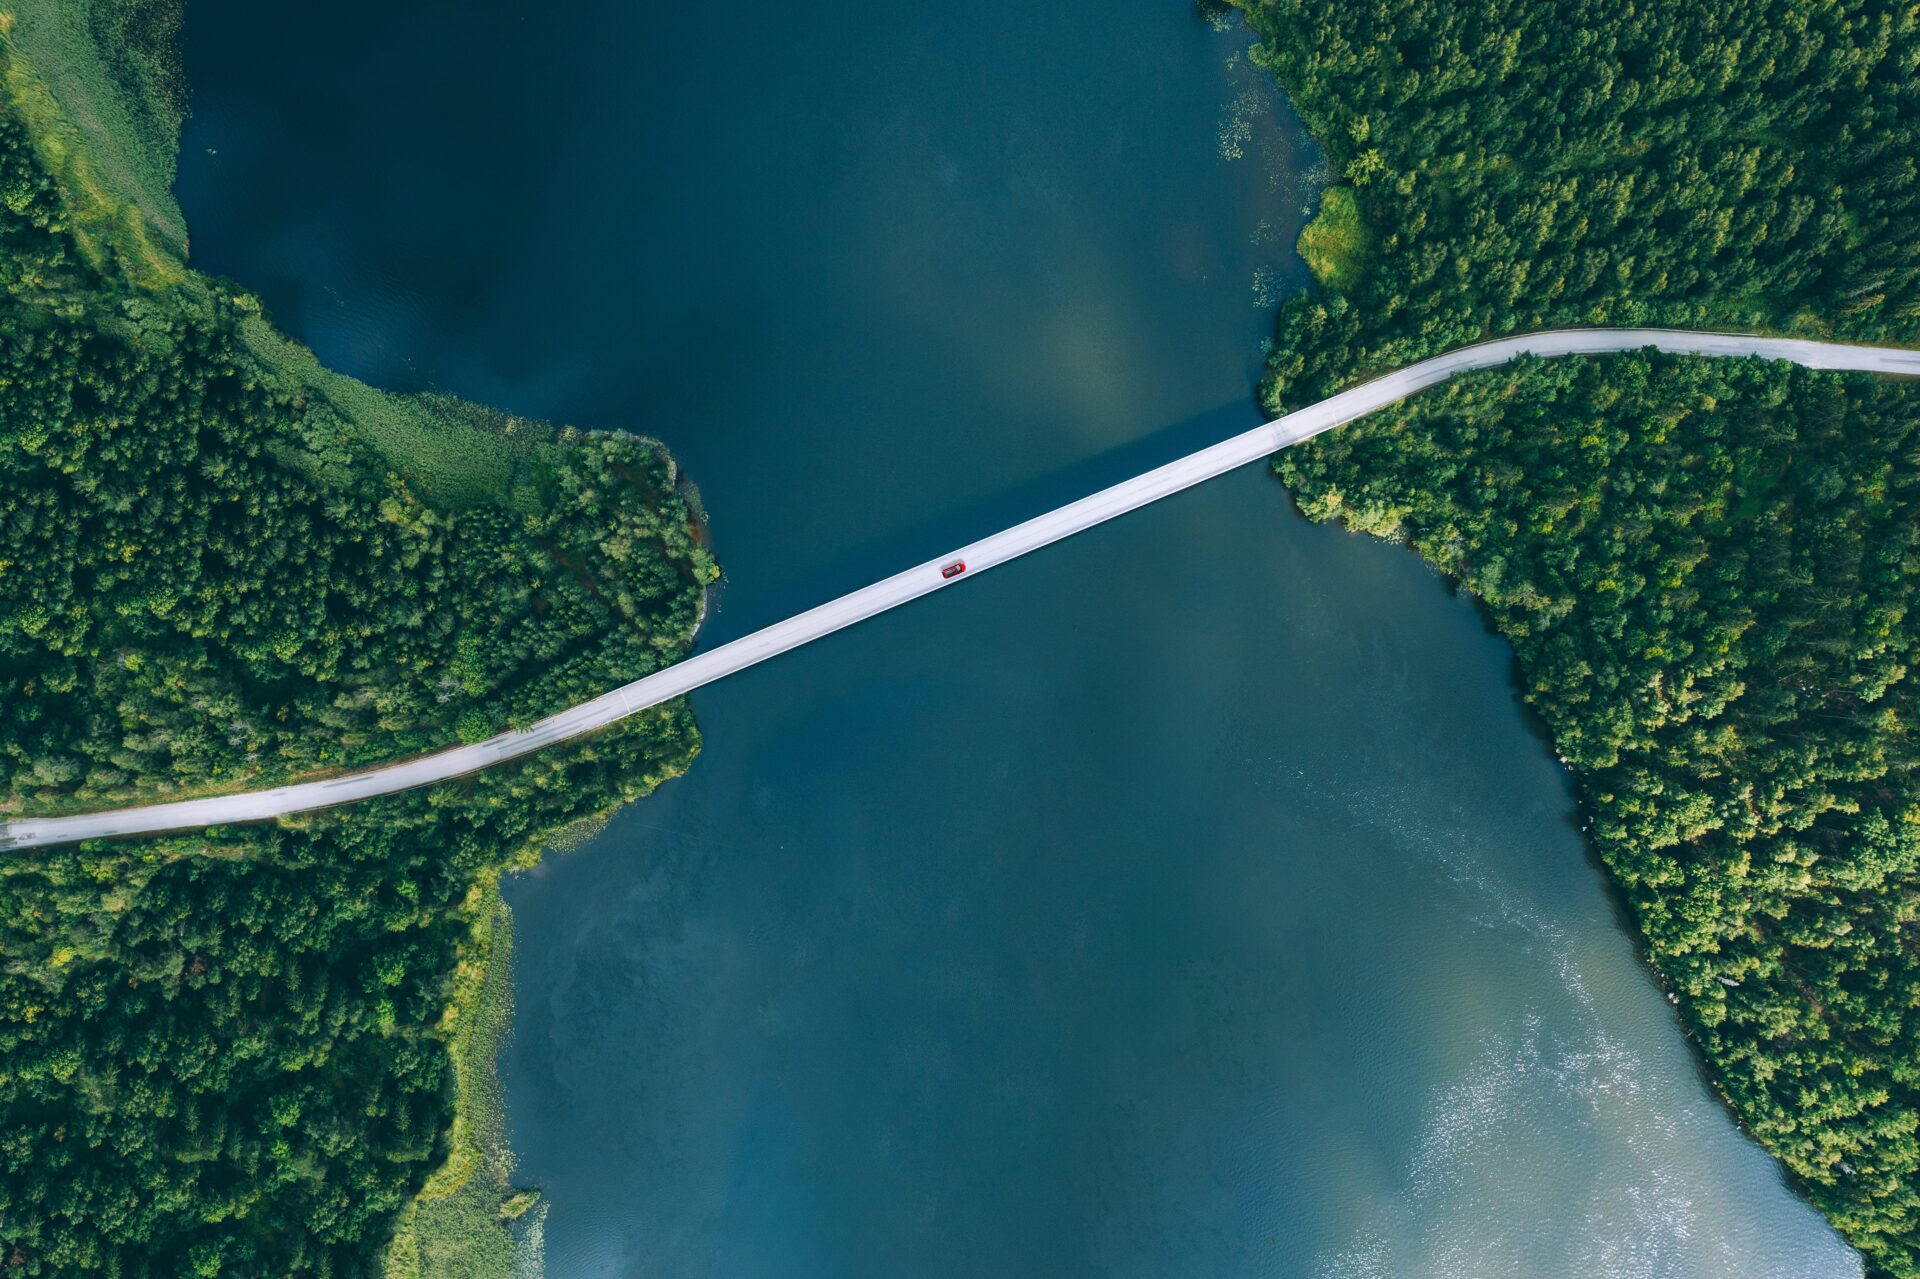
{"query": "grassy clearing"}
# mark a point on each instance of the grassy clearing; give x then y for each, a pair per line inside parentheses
(453, 453)
(98, 84)
(1334, 244)
(459, 1227)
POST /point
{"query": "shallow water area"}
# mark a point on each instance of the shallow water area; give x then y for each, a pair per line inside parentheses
(1190, 898)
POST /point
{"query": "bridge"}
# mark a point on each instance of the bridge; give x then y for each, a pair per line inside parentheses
(937, 574)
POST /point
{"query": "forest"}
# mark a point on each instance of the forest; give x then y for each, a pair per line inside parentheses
(244, 589)
(1707, 571)
(1749, 165)
(230, 1052)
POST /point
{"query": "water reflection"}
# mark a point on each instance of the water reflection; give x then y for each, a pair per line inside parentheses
(1192, 898)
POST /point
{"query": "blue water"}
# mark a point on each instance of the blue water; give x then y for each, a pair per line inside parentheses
(1192, 898)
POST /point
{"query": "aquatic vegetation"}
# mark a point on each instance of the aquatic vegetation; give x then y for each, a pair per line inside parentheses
(1334, 243)
(454, 1227)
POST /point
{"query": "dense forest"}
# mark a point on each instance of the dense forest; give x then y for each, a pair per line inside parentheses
(1707, 570)
(1508, 168)
(216, 578)
(228, 1052)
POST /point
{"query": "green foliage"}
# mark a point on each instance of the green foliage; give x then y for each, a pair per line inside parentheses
(99, 81)
(1706, 569)
(1518, 167)
(458, 1226)
(210, 577)
(228, 1052)
(234, 1045)
(1334, 244)
(455, 453)
(239, 591)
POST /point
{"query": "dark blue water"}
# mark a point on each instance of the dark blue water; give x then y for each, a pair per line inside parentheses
(1192, 898)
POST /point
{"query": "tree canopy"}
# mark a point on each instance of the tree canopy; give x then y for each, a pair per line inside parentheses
(1707, 570)
(1746, 164)
(226, 1052)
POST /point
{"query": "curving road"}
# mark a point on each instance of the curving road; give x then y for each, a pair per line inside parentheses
(923, 579)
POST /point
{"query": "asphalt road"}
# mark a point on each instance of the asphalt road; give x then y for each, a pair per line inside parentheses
(923, 579)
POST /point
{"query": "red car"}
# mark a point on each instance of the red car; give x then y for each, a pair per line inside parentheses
(954, 569)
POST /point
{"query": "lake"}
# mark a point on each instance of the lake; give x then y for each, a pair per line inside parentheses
(1192, 898)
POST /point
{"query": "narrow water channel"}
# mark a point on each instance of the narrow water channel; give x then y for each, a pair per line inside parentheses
(1190, 899)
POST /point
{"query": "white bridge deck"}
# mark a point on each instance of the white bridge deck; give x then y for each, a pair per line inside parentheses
(922, 579)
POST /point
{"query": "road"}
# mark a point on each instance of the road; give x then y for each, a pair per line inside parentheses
(924, 579)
